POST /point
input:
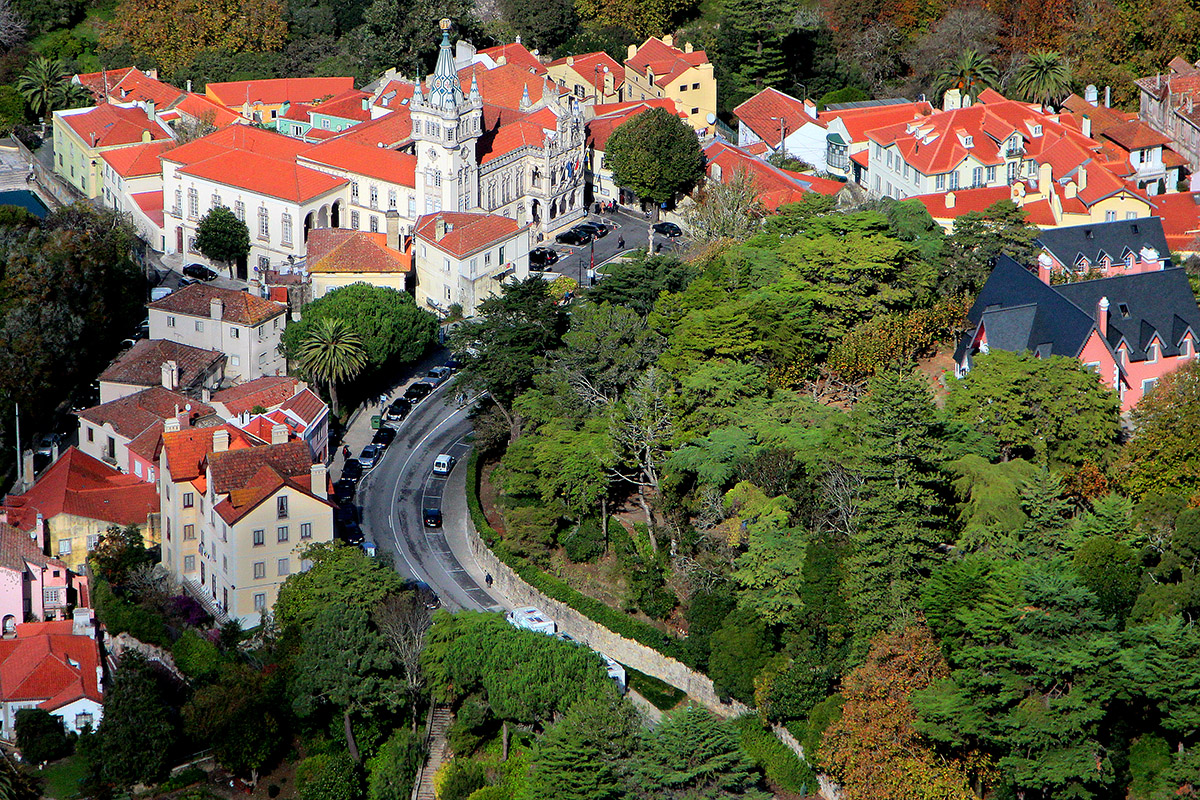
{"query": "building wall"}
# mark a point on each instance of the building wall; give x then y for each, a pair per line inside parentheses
(360, 210)
(96, 440)
(694, 92)
(584, 88)
(70, 714)
(325, 282)
(444, 279)
(71, 538)
(73, 159)
(252, 351)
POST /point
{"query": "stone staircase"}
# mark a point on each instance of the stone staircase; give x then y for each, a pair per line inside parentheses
(439, 752)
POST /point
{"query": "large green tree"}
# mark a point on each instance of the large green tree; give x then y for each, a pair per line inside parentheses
(655, 155)
(140, 726)
(41, 85)
(331, 352)
(1045, 77)
(238, 715)
(222, 237)
(1162, 456)
(586, 754)
(980, 236)
(340, 576)
(692, 754)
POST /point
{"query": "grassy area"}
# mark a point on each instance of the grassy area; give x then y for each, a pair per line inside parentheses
(662, 696)
(63, 778)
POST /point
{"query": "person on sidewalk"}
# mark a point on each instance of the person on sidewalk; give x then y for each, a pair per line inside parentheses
(345, 451)
(620, 241)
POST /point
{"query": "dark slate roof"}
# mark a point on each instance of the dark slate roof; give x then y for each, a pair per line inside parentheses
(1141, 305)
(1019, 312)
(1113, 239)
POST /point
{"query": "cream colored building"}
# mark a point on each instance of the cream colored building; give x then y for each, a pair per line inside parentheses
(83, 135)
(237, 515)
(592, 78)
(659, 69)
(462, 258)
(338, 257)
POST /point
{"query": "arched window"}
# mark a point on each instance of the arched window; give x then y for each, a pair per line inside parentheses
(437, 177)
(264, 223)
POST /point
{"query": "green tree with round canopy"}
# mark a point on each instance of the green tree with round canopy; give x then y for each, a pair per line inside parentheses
(222, 237)
(332, 353)
(656, 155)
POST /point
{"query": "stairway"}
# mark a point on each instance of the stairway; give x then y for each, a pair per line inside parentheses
(438, 753)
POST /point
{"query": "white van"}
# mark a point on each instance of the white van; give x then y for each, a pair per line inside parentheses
(443, 464)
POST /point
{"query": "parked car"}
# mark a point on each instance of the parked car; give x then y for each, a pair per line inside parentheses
(383, 437)
(668, 229)
(143, 330)
(46, 442)
(542, 257)
(352, 470)
(573, 236)
(369, 456)
(398, 410)
(438, 375)
(443, 464)
(369, 548)
(351, 533)
(428, 597)
(159, 292)
(597, 229)
(453, 363)
(200, 272)
(344, 491)
(127, 343)
(433, 518)
(418, 391)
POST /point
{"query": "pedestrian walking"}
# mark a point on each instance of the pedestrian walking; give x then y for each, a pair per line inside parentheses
(345, 451)
(487, 578)
(620, 241)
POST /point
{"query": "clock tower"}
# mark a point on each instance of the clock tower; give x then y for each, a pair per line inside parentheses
(446, 128)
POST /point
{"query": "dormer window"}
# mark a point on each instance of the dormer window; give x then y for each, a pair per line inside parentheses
(1124, 309)
(1152, 352)
(1185, 347)
(968, 141)
(1037, 130)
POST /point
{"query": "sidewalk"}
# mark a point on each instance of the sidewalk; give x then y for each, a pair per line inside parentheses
(457, 521)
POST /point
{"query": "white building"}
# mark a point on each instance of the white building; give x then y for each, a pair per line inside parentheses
(463, 258)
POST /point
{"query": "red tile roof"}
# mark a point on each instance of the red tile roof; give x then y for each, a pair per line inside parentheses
(45, 662)
(276, 91)
(243, 138)
(238, 308)
(665, 61)
(138, 160)
(141, 365)
(467, 232)
(188, 450)
(285, 180)
(17, 550)
(306, 404)
(394, 95)
(860, 120)
(1180, 212)
(263, 484)
(1135, 135)
(761, 114)
(775, 186)
(151, 204)
(197, 106)
(509, 139)
(133, 414)
(332, 250)
(516, 54)
(610, 116)
(345, 105)
(506, 84)
(268, 391)
(590, 67)
(83, 486)
(233, 469)
(360, 158)
(109, 125)
(138, 86)
(967, 200)
(95, 82)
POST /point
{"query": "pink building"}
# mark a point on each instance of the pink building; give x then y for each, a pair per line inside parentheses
(33, 586)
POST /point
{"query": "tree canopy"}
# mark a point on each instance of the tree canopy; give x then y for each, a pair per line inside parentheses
(655, 155)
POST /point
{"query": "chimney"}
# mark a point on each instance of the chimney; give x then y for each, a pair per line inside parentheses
(630, 52)
(188, 86)
(216, 308)
(949, 199)
(170, 375)
(687, 47)
(1108, 97)
(27, 465)
(220, 440)
(151, 110)
(320, 484)
(171, 425)
(279, 433)
(952, 100)
(1102, 316)
(1086, 126)
(1045, 263)
(668, 40)
(570, 61)
(1045, 176)
(810, 108)
(1071, 190)
(392, 220)
(1081, 178)
(439, 229)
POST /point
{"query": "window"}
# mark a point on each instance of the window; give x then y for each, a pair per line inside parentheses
(264, 263)
(354, 220)
(83, 720)
(412, 207)
(178, 208)
(225, 564)
(445, 265)
(695, 111)
(286, 223)
(500, 254)
(189, 532)
(215, 200)
(487, 259)
(1131, 215)
(905, 171)
(189, 563)
(260, 537)
(281, 507)
(50, 596)
(374, 224)
(306, 530)
(234, 333)
(264, 224)
(353, 191)
(191, 244)
(1185, 347)
(284, 567)
(953, 181)
(695, 86)
(374, 195)
(93, 539)
(199, 326)
(939, 182)
(260, 570)
(239, 210)
(281, 533)
(1148, 384)
(325, 124)
(189, 499)
(991, 174)
(683, 87)
(977, 176)
(193, 203)
(64, 547)
(260, 602)
(91, 434)
(1152, 353)
(1124, 309)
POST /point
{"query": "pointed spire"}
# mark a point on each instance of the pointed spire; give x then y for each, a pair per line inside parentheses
(475, 98)
(525, 102)
(445, 91)
(418, 98)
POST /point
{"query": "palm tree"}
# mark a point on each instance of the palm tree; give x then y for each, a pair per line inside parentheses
(970, 73)
(332, 352)
(69, 94)
(40, 85)
(1045, 78)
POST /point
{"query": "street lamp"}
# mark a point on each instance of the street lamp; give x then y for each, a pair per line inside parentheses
(781, 137)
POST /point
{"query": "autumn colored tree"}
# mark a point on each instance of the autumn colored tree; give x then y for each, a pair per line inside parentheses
(1163, 457)
(874, 749)
(171, 32)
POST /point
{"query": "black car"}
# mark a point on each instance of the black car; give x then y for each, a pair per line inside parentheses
(418, 391)
(143, 330)
(427, 595)
(573, 236)
(398, 410)
(383, 437)
(433, 518)
(668, 229)
(200, 272)
(542, 257)
(344, 491)
(351, 533)
(596, 229)
(352, 469)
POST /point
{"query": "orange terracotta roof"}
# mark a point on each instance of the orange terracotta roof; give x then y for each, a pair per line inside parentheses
(665, 61)
(967, 200)
(141, 365)
(18, 550)
(1180, 212)
(242, 138)
(83, 486)
(108, 125)
(276, 91)
(239, 308)
(138, 160)
(370, 161)
(509, 139)
(138, 86)
(262, 485)
(394, 95)
(95, 82)
(337, 250)
(466, 232)
(188, 450)
(233, 469)
(345, 105)
(860, 120)
(197, 106)
(506, 84)
(46, 663)
(151, 204)
(762, 113)
(129, 416)
(590, 67)
(268, 391)
(516, 54)
(1135, 135)
(306, 405)
(285, 180)
(775, 186)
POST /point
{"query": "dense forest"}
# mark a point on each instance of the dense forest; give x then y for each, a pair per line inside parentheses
(943, 588)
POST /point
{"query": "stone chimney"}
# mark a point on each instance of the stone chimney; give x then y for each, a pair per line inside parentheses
(171, 425)
(1086, 126)
(570, 61)
(810, 108)
(1081, 178)
(631, 51)
(439, 229)
(216, 308)
(27, 466)
(1102, 316)
(1045, 264)
(189, 86)
(1045, 177)
(279, 433)
(392, 224)
(949, 199)
(220, 440)
(170, 375)
(687, 47)
(320, 483)
(668, 40)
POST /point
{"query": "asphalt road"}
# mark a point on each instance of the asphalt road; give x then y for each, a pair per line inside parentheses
(394, 494)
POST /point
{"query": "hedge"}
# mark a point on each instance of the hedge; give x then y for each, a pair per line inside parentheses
(782, 766)
(550, 586)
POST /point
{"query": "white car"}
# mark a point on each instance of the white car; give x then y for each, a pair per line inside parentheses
(443, 464)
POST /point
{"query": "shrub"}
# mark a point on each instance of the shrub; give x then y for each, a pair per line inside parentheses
(469, 728)
(650, 592)
(586, 541)
(197, 657)
(824, 714)
(463, 777)
(783, 768)
(119, 615)
(41, 736)
(328, 777)
(392, 770)
(662, 696)
(491, 793)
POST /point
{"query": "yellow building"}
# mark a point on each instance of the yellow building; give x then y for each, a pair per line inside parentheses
(592, 77)
(263, 100)
(339, 257)
(81, 135)
(659, 69)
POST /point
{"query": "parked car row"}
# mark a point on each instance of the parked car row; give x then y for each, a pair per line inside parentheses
(583, 233)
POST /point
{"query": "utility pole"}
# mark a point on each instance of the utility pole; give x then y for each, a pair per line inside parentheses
(20, 465)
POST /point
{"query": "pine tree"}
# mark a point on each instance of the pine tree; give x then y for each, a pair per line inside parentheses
(895, 539)
(751, 48)
(692, 754)
(584, 756)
